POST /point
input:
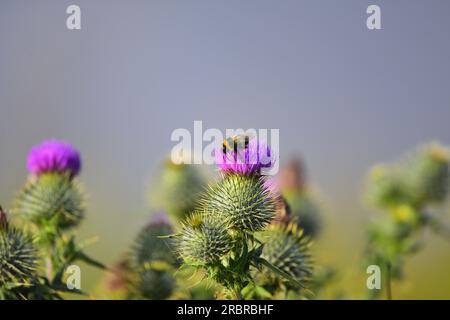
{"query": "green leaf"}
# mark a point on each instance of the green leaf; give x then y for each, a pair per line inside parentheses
(90, 261)
(64, 288)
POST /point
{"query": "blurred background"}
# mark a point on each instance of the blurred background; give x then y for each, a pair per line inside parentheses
(344, 98)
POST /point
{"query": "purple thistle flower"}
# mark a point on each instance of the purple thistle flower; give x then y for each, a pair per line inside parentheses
(243, 157)
(54, 156)
(159, 219)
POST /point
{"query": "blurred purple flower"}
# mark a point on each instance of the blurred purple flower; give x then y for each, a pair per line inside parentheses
(159, 219)
(54, 156)
(272, 185)
(244, 158)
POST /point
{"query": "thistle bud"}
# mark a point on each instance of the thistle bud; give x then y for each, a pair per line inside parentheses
(242, 201)
(51, 197)
(204, 239)
(287, 248)
(427, 174)
(18, 256)
(156, 281)
(148, 246)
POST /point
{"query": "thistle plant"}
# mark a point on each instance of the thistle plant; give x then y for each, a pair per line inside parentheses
(156, 281)
(222, 236)
(298, 207)
(153, 262)
(147, 270)
(409, 193)
(50, 205)
(288, 249)
(52, 199)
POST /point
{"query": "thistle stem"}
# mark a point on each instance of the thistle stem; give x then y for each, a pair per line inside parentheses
(388, 281)
(49, 262)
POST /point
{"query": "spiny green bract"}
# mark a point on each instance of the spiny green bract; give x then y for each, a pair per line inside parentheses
(242, 201)
(204, 239)
(176, 190)
(51, 198)
(287, 248)
(156, 281)
(18, 257)
(148, 246)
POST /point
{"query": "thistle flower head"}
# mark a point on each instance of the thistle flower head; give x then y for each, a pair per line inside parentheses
(148, 246)
(18, 256)
(427, 174)
(421, 178)
(243, 156)
(52, 197)
(286, 247)
(156, 281)
(204, 239)
(54, 156)
(159, 219)
(243, 202)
